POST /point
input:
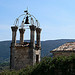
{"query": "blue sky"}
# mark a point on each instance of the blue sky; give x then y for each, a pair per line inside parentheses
(56, 17)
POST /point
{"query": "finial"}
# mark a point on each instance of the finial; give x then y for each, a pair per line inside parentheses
(27, 8)
(26, 11)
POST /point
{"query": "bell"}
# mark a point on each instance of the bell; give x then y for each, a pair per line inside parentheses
(27, 20)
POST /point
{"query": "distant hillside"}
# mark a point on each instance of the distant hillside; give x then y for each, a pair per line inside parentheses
(47, 46)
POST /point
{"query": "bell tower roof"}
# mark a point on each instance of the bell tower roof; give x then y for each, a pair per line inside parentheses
(25, 20)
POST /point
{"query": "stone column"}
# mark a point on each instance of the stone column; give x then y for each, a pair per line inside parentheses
(32, 35)
(22, 35)
(14, 30)
(38, 31)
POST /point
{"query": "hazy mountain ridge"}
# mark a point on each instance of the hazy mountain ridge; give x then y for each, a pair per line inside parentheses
(47, 46)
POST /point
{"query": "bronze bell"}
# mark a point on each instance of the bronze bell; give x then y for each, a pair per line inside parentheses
(27, 20)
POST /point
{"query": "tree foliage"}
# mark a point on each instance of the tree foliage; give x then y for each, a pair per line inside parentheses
(48, 66)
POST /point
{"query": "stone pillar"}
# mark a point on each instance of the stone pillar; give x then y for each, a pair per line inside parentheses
(14, 30)
(32, 35)
(22, 35)
(38, 31)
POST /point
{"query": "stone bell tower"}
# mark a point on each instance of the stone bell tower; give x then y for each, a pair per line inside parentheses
(23, 53)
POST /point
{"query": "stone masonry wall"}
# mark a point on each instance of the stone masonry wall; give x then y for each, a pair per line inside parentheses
(63, 53)
(22, 57)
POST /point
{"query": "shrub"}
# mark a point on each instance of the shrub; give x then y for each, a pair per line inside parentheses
(48, 66)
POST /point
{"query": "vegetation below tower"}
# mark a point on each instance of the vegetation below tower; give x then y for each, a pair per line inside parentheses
(48, 66)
